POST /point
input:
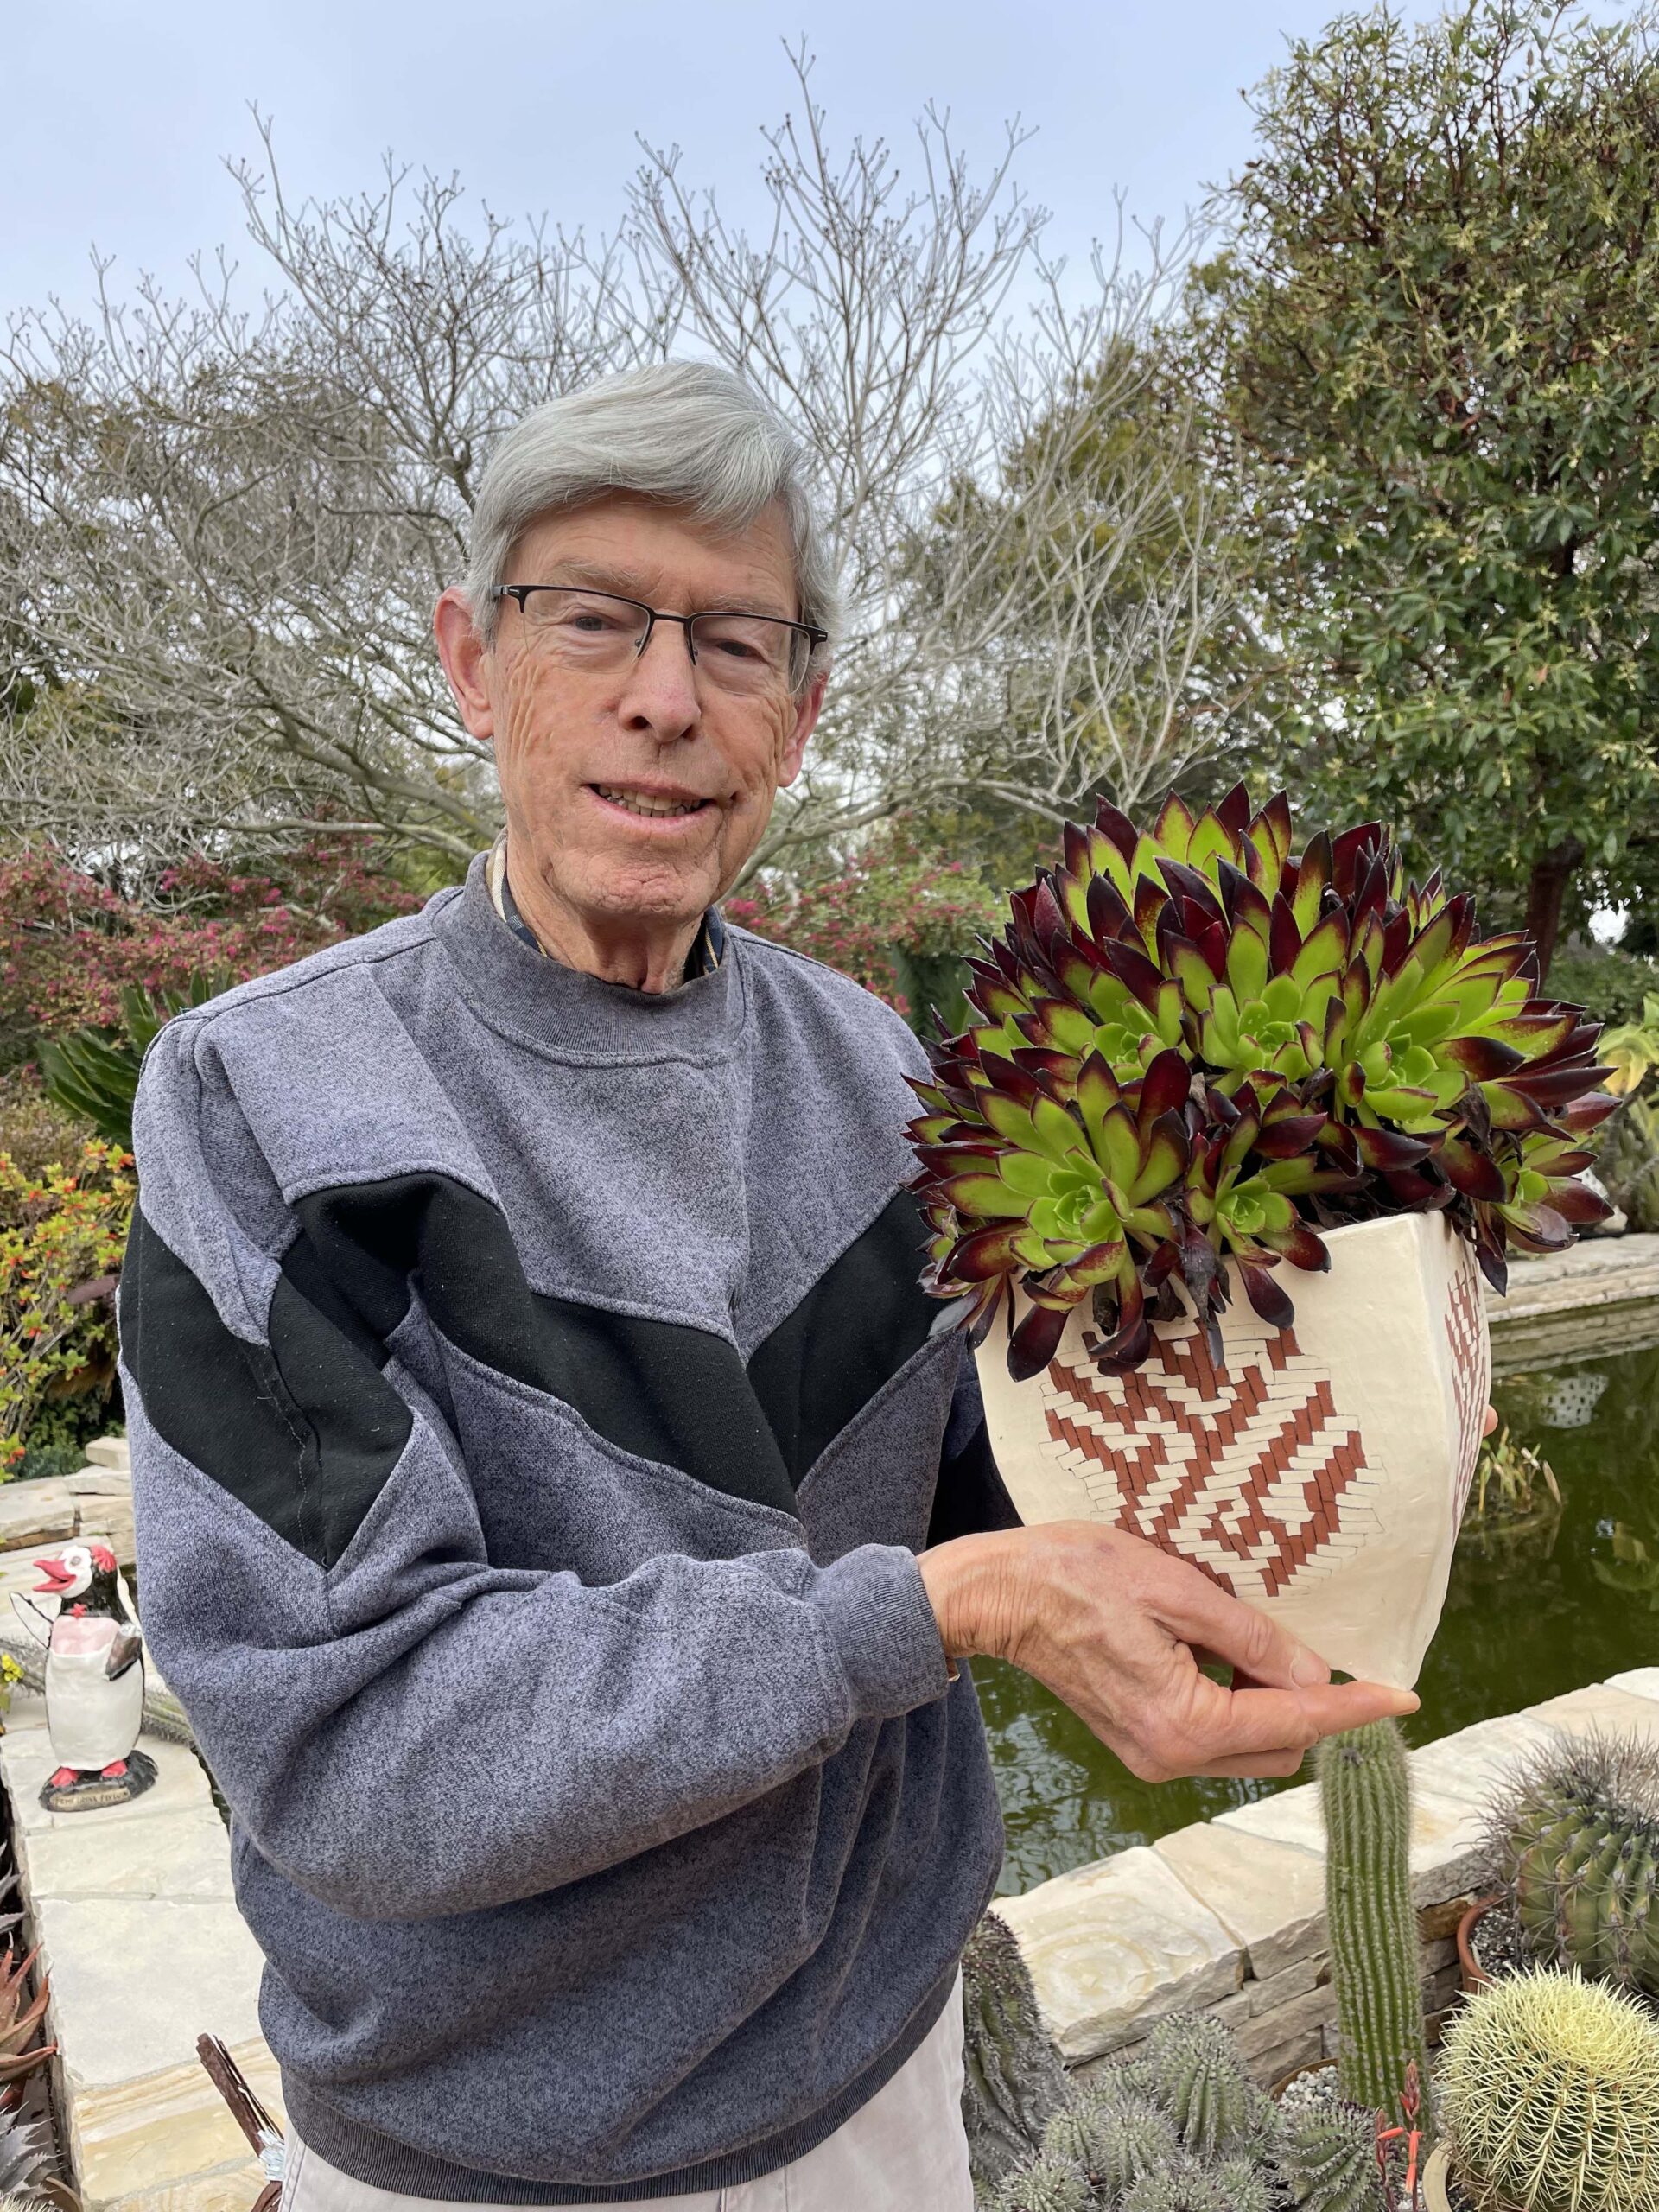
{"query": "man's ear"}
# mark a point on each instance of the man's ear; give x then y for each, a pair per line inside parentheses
(807, 710)
(465, 656)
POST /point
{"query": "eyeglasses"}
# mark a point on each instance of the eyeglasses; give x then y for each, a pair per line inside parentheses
(600, 630)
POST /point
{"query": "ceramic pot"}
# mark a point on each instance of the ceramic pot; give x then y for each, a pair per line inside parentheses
(1320, 1471)
(1436, 2173)
(1471, 1973)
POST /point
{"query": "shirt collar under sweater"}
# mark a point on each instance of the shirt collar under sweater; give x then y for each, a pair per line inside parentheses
(708, 947)
(538, 1002)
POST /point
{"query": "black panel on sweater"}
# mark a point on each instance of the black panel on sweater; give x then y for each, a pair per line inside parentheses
(864, 1316)
(264, 1423)
(971, 1496)
(667, 1392)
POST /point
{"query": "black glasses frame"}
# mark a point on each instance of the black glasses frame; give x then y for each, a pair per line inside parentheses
(653, 615)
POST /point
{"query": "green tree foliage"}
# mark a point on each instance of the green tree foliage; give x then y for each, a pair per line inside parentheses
(1435, 334)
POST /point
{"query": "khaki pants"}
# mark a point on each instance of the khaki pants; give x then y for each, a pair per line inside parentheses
(904, 2151)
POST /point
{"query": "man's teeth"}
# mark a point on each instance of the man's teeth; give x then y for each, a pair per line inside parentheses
(638, 803)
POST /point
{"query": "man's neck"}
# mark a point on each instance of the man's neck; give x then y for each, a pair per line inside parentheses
(633, 955)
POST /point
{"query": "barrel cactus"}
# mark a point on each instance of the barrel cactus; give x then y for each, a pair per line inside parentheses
(1329, 2162)
(1550, 2096)
(1013, 2081)
(1365, 1796)
(1185, 2187)
(1575, 1839)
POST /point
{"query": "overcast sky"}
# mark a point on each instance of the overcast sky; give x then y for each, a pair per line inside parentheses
(115, 115)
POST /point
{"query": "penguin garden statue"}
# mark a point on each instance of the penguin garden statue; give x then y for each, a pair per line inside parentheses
(94, 1683)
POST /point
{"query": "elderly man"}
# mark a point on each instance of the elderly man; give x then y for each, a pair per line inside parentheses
(560, 1510)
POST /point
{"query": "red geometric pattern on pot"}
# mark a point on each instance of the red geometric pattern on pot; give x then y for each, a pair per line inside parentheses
(1471, 1368)
(1248, 1470)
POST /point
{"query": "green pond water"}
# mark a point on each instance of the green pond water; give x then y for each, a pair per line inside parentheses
(1528, 1615)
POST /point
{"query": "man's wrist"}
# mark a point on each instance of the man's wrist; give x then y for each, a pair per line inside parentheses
(968, 1584)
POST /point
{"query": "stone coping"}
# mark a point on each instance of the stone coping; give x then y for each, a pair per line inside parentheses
(133, 1912)
(1227, 1915)
(1599, 1296)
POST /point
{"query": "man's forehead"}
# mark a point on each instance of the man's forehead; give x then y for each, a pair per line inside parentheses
(643, 549)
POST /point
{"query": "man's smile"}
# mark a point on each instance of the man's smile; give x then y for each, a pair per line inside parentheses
(653, 803)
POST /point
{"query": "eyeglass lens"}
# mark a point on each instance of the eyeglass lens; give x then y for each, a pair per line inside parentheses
(741, 652)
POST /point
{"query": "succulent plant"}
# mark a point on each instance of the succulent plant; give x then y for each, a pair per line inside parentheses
(1364, 1780)
(1013, 2081)
(1184, 2187)
(1194, 1048)
(22, 2017)
(1550, 2096)
(1045, 2185)
(1202, 2084)
(25, 2148)
(1575, 1839)
(1329, 2161)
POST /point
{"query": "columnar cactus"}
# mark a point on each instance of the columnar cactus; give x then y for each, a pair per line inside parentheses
(1202, 2084)
(1575, 1838)
(1550, 2089)
(1365, 1794)
(1013, 2081)
(1329, 2163)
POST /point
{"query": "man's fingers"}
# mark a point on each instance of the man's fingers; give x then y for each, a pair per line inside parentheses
(1263, 1722)
(1277, 1766)
(1198, 1611)
(1489, 1422)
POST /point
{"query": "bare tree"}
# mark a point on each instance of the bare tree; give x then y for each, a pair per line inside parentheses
(221, 528)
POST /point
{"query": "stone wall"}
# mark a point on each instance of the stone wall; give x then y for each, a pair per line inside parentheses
(1227, 1916)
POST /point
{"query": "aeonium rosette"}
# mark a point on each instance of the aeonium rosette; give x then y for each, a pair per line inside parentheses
(1196, 1047)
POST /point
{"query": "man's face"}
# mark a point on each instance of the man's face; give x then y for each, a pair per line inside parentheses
(578, 749)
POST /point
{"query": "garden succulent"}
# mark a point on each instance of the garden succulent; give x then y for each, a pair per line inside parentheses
(1575, 1839)
(1013, 2081)
(1364, 1778)
(1185, 2186)
(1329, 2161)
(1550, 2096)
(1046, 2183)
(1202, 2084)
(1194, 1048)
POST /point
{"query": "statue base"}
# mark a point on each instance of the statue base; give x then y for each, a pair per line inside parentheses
(90, 1793)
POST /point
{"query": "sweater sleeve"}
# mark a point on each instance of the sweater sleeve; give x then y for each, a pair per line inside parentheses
(401, 1727)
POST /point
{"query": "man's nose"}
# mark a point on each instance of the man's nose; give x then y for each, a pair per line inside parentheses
(659, 692)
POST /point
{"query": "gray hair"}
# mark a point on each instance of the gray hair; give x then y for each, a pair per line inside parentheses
(684, 432)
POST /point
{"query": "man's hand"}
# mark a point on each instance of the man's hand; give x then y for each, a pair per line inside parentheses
(1116, 1629)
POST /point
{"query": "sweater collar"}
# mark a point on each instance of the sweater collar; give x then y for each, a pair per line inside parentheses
(524, 993)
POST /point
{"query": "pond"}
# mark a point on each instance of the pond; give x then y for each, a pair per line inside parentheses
(1529, 1616)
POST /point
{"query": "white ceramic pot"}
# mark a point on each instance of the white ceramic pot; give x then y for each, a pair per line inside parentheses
(1319, 1473)
(1436, 2176)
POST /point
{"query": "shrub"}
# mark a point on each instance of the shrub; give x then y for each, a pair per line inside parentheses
(61, 1237)
(35, 1131)
(1611, 984)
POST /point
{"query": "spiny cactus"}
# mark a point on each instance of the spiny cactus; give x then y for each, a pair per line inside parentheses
(1550, 2087)
(1045, 2185)
(1013, 2080)
(1365, 1794)
(1329, 2161)
(1575, 1839)
(1202, 2084)
(1184, 2187)
(1246, 2187)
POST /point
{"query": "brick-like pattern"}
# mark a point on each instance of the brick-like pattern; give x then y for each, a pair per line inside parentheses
(1471, 1366)
(1250, 1470)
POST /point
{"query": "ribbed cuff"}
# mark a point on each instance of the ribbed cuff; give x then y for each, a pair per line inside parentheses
(875, 1606)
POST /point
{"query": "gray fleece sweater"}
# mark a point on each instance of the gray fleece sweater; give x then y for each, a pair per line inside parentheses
(535, 1419)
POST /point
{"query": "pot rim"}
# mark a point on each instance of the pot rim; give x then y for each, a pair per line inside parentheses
(1474, 1974)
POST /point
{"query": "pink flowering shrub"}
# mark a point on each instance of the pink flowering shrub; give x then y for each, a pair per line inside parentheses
(889, 903)
(69, 944)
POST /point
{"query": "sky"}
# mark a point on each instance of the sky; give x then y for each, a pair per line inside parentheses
(117, 116)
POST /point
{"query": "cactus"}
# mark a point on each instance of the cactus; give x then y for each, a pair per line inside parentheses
(1550, 2087)
(1329, 2162)
(1246, 2187)
(1045, 2185)
(1202, 2084)
(1365, 1794)
(1575, 1839)
(1184, 2187)
(1013, 2080)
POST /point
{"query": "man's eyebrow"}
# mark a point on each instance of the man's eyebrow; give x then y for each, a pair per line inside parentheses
(628, 583)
